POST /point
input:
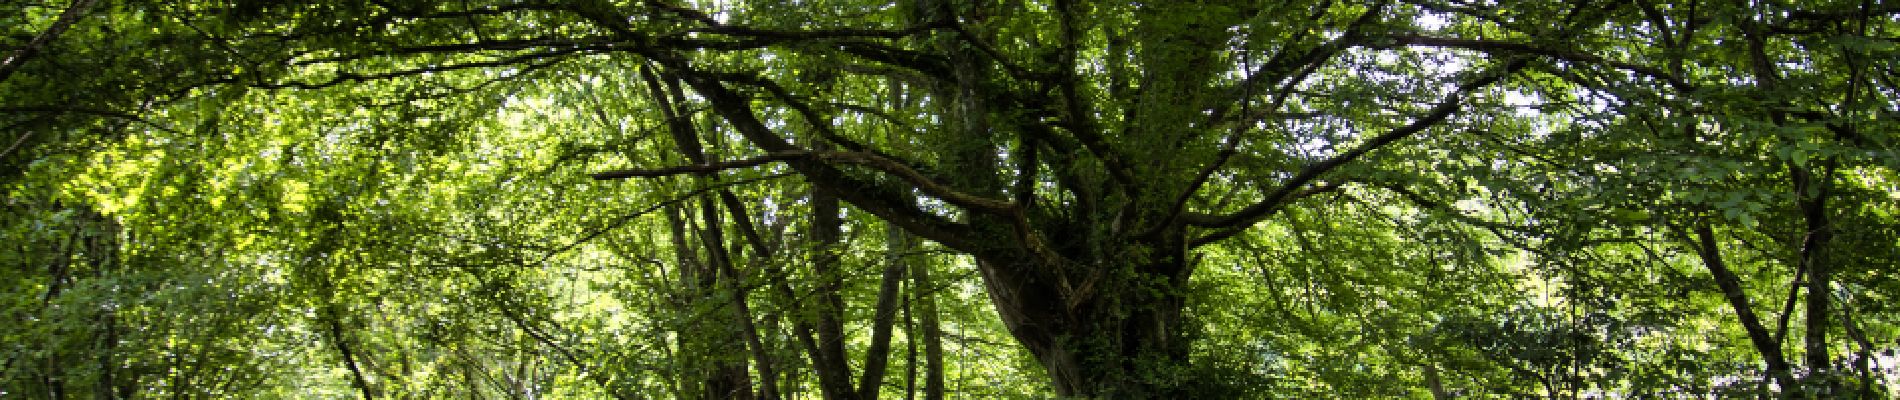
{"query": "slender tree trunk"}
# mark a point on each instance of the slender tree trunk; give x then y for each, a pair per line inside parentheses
(59, 273)
(107, 387)
(733, 381)
(801, 328)
(876, 357)
(910, 349)
(924, 305)
(1864, 352)
(101, 252)
(834, 375)
(1435, 384)
(685, 347)
(1731, 286)
(337, 338)
(761, 355)
(705, 339)
(1811, 192)
(719, 276)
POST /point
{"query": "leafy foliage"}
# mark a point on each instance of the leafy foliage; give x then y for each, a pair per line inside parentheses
(848, 199)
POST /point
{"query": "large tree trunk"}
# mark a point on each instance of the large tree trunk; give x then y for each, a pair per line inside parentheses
(1110, 329)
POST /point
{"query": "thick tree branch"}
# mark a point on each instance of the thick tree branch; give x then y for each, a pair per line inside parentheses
(395, 14)
(931, 65)
(66, 19)
(1112, 160)
(714, 26)
(779, 36)
(1290, 67)
(1279, 197)
(891, 203)
(923, 183)
(1731, 287)
(1230, 231)
(804, 110)
(552, 44)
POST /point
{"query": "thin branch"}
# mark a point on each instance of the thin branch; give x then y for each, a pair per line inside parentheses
(463, 48)
(700, 168)
(351, 77)
(1422, 201)
(1497, 47)
(1285, 64)
(989, 51)
(649, 209)
(1230, 146)
(1230, 231)
(19, 142)
(1279, 197)
(28, 134)
(91, 111)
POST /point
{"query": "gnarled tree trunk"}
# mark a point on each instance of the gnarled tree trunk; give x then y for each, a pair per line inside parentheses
(1110, 328)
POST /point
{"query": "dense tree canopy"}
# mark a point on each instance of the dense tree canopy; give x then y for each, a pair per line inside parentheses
(849, 199)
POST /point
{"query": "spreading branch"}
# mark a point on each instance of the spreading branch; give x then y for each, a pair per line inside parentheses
(1497, 47)
(352, 77)
(705, 168)
(1420, 200)
(66, 20)
(618, 222)
(1232, 224)
(894, 204)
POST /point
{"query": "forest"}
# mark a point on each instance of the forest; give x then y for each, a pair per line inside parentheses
(1014, 199)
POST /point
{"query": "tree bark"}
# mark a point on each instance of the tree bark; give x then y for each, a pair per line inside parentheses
(876, 357)
(1865, 352)
(1110, 329)
(334, 319)
(924, 306)
(1436, 384)
(703, 339)
(735, 384)
(1811, 192)
(801, 327)
(834, 375)
(66, 19)
(1101, 309)
(1731, 286)
(718, 274)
